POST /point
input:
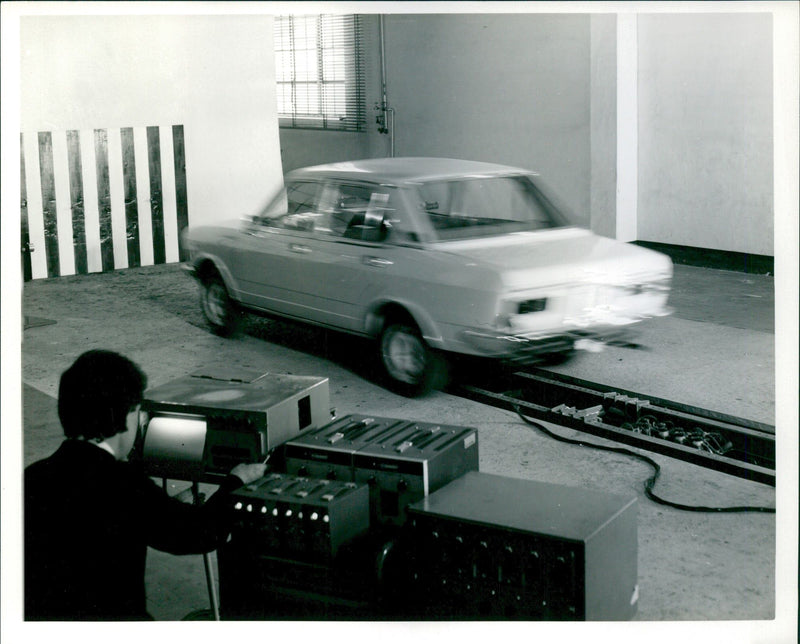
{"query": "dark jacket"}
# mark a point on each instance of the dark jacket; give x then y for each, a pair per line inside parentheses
(88, 522)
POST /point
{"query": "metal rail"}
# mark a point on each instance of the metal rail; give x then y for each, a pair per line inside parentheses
(729, 444)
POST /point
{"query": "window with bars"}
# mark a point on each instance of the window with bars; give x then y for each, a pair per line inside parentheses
(319, 70)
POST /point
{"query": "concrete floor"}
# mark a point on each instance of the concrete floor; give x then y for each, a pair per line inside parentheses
(717, 352)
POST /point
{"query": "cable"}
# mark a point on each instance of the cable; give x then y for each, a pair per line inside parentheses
(651, 482)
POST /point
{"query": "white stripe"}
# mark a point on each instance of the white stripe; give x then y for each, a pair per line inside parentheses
(117, 191)
(168, 194)
(91, 209)
(33, 186)
(143, 196)
(627, 127)
(66, 251)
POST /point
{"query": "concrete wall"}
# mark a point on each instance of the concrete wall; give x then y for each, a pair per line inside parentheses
(540, 90)
(510, 89)
(507, 89)
(705, 131)
(214, 75)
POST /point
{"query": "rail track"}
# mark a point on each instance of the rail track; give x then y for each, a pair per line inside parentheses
(729, 444)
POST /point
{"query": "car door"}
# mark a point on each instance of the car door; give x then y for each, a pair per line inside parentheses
(314, 263)
(344, 268)
(326, 274)
(273, 253)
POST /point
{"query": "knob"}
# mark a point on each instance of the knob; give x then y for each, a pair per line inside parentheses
(238, 505)
(402, 486)
(314, 516)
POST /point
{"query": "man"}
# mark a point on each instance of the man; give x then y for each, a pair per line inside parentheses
(90, 514)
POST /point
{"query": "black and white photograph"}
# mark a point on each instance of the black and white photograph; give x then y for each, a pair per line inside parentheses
(400, 320)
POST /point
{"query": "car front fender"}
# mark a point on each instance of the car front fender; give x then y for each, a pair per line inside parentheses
(205, 262)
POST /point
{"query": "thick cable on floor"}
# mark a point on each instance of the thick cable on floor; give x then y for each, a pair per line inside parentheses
(651, 482)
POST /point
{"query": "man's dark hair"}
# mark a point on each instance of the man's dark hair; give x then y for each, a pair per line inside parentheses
(97, 392)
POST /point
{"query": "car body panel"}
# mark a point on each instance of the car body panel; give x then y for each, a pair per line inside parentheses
(492, 293)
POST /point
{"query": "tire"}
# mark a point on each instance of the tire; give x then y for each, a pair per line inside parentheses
(411, 366)
(219, 310)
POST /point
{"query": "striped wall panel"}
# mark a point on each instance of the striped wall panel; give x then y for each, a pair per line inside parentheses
(100, 200)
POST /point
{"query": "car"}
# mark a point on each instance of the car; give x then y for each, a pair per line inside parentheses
(431, 258)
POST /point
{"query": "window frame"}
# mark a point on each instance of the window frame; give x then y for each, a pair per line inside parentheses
(335, 84)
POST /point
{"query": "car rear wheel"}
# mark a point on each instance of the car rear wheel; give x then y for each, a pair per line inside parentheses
(413, 368)
(220, 311)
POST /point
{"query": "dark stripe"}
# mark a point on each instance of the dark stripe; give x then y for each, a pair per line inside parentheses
(131, 204)
(714, 258)
(179, 158)
(104, 199)
(49, 203)
(76, 200)
(27, 271)
(156, 197)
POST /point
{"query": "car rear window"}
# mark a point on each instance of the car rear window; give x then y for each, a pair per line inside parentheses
(485, 206)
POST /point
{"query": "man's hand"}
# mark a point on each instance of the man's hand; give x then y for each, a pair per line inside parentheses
(249, 472)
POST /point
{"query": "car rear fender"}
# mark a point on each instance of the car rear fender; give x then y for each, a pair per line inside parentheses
(385, 310)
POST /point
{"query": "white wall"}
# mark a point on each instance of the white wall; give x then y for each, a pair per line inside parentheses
(603, 126)
(213, 74)
(705, 131)
(511, 89)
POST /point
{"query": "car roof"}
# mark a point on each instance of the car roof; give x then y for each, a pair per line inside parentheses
(404, 170)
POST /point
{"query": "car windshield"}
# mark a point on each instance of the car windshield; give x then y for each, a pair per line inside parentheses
(484, 206)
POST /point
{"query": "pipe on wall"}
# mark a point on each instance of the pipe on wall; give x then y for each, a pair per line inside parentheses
(388, 123)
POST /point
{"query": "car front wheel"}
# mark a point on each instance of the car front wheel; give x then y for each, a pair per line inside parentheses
(219, 309)
(412, 366)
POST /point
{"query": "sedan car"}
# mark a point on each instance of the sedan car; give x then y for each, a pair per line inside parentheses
(429, 257)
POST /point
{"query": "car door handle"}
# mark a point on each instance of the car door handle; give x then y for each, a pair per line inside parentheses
(299, 248)
(376, 261)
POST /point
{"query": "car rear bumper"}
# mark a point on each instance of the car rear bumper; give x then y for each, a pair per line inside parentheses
(589, 330)
(521, 348)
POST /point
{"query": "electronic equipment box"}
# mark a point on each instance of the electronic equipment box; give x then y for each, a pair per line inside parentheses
(493, 546)
(202, 425)
(257, 584)
(286, 515)
(402, 461)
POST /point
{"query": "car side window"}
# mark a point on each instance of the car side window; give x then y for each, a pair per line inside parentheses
(301, 197)
(356, 211)
(355, 207)
(302, 212)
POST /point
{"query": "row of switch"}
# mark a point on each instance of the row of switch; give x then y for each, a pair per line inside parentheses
(313, 516)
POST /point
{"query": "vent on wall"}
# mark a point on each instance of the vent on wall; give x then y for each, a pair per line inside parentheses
(99, 200)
